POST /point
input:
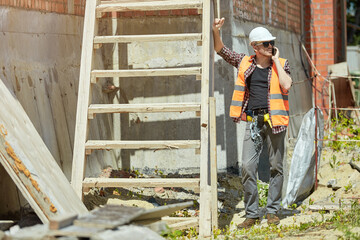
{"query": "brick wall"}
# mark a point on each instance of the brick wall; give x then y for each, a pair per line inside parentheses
(320, 34)
(285, 14)
(76, 7)
(323, 38)
(135, 14)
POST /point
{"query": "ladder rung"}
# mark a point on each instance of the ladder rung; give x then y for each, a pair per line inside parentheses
(111, 144)
(148, 6)
(142, 182)
(145, 72)
(148, 38)
(139, 108)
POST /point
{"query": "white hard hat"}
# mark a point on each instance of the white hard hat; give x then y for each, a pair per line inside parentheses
(260, 34)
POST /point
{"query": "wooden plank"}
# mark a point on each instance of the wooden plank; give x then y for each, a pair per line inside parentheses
(324, 207)
(23, 189)
(5, 225)
(148, 38)
(30, 164)
(62, 221)
(145, 72)
(172, 220)
(213, 164)
(159, 212)
(83, 103)
(148, 6)
(142, 182)
(173, 144)
(185, 224)
(143, 108)
(205, 189)
(109, 217)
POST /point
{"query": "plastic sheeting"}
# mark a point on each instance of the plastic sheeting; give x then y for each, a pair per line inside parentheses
(302, 171)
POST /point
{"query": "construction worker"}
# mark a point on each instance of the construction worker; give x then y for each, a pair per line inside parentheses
(261, 98)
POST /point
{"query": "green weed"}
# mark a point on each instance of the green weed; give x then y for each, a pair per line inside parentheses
(263, 189)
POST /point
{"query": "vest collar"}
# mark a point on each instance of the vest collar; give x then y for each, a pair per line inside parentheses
(253, 60)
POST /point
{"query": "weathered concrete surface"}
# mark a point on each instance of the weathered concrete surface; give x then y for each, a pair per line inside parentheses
(158, 126)
(40, 63)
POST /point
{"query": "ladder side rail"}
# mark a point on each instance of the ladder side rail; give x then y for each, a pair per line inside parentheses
(205, 188)
(213, 165)
(84, 96)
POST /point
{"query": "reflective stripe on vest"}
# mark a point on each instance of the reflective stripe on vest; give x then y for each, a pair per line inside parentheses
(279, 105)
(239, 89)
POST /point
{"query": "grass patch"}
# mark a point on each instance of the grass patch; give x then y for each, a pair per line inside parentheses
(344, 221)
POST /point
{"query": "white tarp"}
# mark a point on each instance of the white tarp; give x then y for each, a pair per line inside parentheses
(302, 170)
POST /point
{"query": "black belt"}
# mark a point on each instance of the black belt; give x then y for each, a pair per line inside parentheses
(259, 111)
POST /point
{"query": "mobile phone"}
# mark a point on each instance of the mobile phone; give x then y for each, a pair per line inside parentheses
(273, 51)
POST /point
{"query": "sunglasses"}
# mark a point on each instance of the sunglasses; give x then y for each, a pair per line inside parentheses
(266, 44)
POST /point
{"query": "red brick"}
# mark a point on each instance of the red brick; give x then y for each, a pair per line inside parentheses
(152, 13)
(164, 13)
(128, 14)
(326, 28)
(138, 13)
(177, 12)
(193, 12)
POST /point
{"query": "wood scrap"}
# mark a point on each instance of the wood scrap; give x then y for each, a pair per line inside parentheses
(30, 164)
(109, 217)
(328, 207)
(62, 221)
(157, 213)
(6, 224)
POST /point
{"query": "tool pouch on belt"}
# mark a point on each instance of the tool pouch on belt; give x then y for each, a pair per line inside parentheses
(260, 120)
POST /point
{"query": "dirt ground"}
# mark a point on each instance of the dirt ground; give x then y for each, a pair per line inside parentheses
(345, 186)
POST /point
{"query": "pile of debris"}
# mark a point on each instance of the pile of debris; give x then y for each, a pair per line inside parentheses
(108, 222)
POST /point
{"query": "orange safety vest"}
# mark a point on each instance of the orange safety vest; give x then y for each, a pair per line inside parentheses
(279, 104)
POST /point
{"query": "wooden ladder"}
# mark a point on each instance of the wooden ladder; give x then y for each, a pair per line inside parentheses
(86, 111)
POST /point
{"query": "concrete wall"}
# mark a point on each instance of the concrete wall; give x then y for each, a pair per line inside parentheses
(76, 7)
(40, 64)
(156, 126)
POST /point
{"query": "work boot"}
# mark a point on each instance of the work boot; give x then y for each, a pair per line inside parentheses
(248, 223)
(272, 219)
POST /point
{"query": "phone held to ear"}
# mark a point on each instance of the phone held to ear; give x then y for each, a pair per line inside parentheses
(273, 51)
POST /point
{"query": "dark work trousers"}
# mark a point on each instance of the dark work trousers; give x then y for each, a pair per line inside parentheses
(250, 161)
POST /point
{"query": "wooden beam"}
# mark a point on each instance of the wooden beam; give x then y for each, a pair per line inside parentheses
(145, 72)
(143, 108)
(213, 164)
(81, 129)
(62, 221)
(184, 224)
(30, 164)
(205, 188)
(172, 220)
(149, 6)
(159, 212)
(142, 182)
(148, 38)
(157, 145)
